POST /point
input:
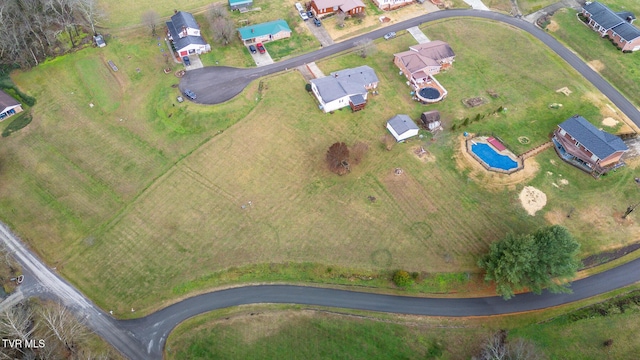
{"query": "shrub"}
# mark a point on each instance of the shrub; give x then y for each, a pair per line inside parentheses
(307, 87)
(20, 121)
(402, 278)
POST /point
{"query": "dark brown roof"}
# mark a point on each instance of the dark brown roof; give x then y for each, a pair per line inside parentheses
(437, 50)
(430, 116)
(6, 100)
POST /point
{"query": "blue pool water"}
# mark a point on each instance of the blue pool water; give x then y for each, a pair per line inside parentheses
(492, 158)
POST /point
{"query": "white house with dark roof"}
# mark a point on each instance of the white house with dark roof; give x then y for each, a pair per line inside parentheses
(348, 87)
(618, 26)
(402, 127)
(8, 106)
(184, 32)
(581, 144)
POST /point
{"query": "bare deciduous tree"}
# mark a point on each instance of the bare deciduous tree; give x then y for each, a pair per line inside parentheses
(91, 13)
(223, 30)
(338, 158)
(217, 10)
(365, 47)
(16, 322)
(63, 325)
(151, 19)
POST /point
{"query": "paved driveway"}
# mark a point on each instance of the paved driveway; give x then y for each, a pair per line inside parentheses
(261, 59)
(195, 61)
(320, 33)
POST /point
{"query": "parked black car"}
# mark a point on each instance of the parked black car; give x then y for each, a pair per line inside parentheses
(186, 61)
(317, 22)
(252, 49)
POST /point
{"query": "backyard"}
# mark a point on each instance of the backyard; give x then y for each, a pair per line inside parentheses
(139, 200)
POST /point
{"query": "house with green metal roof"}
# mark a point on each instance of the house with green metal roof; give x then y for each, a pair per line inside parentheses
(239, 4)
(269, 31)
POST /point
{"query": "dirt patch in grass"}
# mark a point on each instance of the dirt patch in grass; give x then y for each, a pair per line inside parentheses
(596, 65)
(532, 199)
(552, 26)
(609, 121)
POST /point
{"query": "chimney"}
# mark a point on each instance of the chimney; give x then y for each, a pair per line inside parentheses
(175, 11)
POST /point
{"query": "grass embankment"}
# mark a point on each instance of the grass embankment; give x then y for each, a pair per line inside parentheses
(618, 68)
(576, 331)
(177, 232)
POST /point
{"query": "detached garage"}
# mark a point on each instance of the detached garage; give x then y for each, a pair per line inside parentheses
(402, 127)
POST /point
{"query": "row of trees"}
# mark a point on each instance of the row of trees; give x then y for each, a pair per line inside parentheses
(30, 28)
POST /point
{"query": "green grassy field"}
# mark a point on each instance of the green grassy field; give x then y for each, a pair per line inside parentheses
(600, 53)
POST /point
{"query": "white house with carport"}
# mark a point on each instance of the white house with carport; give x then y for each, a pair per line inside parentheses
(8, 106)
(184, 32)
(402, 127)
(348, 87)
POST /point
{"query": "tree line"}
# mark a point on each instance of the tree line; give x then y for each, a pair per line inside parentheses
(31, 29)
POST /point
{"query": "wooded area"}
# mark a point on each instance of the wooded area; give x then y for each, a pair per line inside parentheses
(31, 29)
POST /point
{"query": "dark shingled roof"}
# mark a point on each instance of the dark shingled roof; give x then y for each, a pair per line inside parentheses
(436, 50)
(627, 31)
(183, 42)
(185, 19)
(599, 142)
(6, 100)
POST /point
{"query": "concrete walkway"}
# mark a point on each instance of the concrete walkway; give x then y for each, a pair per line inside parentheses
(417, 34)
(477, 5)
(315, 70)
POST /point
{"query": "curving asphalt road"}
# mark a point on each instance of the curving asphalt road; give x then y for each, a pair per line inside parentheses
(144, 338)
(217, 84)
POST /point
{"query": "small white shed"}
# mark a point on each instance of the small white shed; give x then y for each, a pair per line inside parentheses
(402, 127)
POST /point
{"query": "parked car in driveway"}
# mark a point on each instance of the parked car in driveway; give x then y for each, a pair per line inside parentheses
(252, 49)
(389, 35)
(310, 14)
(317, 22)
(186, 61)
(190, 94)
(261, 48)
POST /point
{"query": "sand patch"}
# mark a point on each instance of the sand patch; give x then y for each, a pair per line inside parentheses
(532, 199)
(609, 121)
(553, 26)
(564, 182)
(596, 65)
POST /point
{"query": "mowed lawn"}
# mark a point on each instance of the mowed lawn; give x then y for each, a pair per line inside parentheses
(618, 68)
(97, 140)
(260, 192)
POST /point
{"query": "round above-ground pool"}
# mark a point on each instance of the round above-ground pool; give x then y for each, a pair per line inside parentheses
(490, 157)
(429, 94)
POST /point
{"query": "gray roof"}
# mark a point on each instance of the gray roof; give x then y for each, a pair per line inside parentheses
(179, 42)
(345, 82)
(604, 16)
(626, 15)
(599, 142)
(627, 31)
(357, 99)
(402, 123)
(185, 19)
(6, 100)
